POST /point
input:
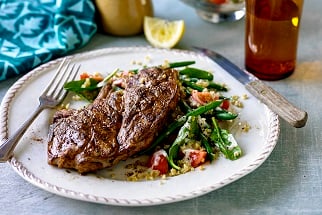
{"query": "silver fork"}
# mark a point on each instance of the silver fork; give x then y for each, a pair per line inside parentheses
(52, 96)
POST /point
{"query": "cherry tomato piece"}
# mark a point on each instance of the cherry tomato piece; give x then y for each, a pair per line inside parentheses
(225, 104)
(195, 157)
(158, 161)
(83, 76)
(97, 77)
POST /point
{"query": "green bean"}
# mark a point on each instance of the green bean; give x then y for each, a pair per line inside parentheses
(205, 108)
(184, 106)
(181, 64)
(216, 86)
(169, 130)
(192, 79)
(172, 65)
(206, 144)
(210, 84)
(196, 73)
(179, 122)
(225, 115)
(192, 85)
(224, 97)
(174, 149)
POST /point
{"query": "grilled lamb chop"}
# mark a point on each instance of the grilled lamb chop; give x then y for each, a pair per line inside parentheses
(149, 100)
(116, 125)
(85, 139)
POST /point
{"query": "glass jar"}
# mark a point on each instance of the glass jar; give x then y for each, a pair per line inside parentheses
(123, 17)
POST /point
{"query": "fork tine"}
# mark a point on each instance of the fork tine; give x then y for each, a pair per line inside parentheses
(61, 93)
(58, 82)
(56, 79)
(59, 87)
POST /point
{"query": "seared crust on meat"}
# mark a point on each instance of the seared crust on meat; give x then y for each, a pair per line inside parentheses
(149, 99)
(85, 139)
(116, 125)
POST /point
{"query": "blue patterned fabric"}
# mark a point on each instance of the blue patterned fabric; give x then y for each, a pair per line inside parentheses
(33, 32)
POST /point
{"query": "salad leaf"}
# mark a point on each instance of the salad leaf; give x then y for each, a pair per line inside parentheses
(88, 92)
(225, 142)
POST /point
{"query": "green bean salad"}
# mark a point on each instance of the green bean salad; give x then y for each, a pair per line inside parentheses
(196, 136)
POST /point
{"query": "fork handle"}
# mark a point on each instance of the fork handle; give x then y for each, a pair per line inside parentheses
(6, 149)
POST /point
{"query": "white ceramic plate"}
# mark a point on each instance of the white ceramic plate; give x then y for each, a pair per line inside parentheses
(30, 156)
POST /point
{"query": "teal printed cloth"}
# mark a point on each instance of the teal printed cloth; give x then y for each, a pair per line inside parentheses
(33, 32)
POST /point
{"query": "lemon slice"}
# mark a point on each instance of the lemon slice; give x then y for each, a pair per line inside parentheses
(163, 33)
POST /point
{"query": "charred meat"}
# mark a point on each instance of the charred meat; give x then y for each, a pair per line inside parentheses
(117, 125)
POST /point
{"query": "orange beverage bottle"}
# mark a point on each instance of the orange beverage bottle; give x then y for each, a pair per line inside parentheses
(272, 28)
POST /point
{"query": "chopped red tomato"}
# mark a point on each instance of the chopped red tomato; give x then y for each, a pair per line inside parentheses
(225, 104)
(203, 97)
(158, 161)
(96, 76)
(195, 157)
(84, 75)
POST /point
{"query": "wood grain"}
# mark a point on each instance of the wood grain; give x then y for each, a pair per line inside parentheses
(277, 103)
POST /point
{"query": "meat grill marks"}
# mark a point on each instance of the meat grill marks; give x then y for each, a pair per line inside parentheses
(86, 139)
(116, 125)
(149, 100)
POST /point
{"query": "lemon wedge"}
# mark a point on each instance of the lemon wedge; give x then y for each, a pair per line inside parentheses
(163, 33)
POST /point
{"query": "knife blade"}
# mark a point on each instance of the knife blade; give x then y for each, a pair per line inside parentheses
(267, 95)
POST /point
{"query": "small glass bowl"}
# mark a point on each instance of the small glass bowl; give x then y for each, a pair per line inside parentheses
(217, 11)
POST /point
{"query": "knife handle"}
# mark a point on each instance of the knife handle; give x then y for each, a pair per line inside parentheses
(277, 103)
